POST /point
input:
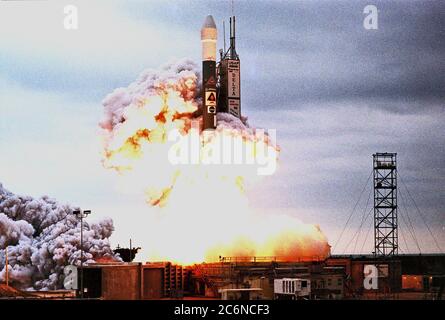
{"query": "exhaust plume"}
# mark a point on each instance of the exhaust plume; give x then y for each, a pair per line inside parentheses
(43, 237)
(200, 210)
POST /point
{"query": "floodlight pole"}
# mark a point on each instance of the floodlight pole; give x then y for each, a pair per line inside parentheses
(81, 214)
(7, 267)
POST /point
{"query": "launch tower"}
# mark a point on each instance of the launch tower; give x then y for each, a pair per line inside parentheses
(229, 95)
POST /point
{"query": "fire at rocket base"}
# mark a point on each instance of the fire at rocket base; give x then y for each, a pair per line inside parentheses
(208, 42)
(135, 140)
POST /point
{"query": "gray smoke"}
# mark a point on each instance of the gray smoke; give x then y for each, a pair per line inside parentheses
(173, 75)
(228, 121)
(43, 237)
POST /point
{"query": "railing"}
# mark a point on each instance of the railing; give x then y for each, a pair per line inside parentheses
(388, 164)
(270, 259)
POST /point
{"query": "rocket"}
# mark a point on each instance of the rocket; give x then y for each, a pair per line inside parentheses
(220, 82)
(209, 96)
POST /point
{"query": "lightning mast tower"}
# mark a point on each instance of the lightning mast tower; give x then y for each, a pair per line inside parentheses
(385, 204)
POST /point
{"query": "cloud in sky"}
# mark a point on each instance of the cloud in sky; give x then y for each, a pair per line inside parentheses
(343, 91)
(108, 46)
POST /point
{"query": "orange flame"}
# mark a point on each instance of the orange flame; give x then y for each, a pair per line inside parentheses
(205, 213)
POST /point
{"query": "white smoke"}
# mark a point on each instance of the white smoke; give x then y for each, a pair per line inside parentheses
(43, 237)
(204, 207)
(181, 76)
(227, 121)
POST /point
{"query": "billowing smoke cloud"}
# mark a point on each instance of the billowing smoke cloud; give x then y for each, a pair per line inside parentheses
(203, 209)
(180, 79)
(43, 237)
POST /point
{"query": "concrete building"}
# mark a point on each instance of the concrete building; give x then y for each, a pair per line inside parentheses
(329, 283)
(422, 273)
(133, 281)
(389, 277)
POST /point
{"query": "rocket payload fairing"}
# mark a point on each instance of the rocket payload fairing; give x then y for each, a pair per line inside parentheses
(221, 83)
(208, 42)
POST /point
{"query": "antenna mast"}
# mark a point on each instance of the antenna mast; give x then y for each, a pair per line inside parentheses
(224, 32)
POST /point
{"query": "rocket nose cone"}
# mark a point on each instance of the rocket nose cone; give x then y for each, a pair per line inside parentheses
(209, 22)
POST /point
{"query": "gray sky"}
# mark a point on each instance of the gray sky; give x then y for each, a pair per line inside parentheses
(335, 92)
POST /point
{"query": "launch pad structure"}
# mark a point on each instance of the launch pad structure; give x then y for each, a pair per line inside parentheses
(334, 277)
(400, 276)
(229, 83)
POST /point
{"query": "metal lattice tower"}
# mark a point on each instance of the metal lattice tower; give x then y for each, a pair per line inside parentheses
(385, 204)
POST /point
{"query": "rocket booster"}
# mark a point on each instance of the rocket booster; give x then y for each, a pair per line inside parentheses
(208, 42)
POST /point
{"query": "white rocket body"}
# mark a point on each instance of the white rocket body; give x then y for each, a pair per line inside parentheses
(209, 35)
(209, 97)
